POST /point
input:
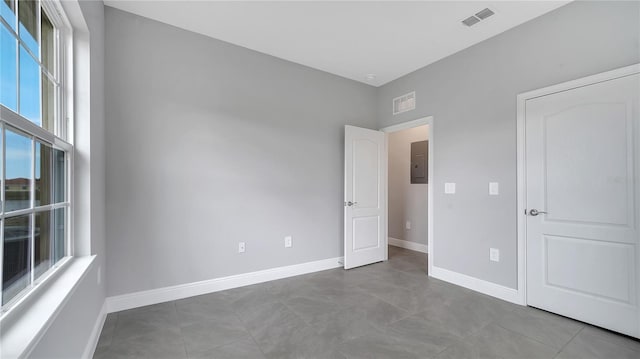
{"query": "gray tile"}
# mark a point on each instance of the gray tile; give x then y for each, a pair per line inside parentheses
(384, 310)
(203, 336)
(461, 317)
(202, 308)
(402, 279)
(494, 341)
(412, 300)
(245, 349)
(421, 336)
(106, 334)
(594, 333)
(288, 288)
(341, 277)
(345, 296)
(244, 297)
(553, 330)
(304, 342)
(161, 344)
(310, 309)
(344, 325)
(144, 321)
(378, 312)
(270, 322)
(593, 343)
(376, 346)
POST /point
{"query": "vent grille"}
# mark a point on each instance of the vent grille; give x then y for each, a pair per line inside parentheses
(479, 16)
(404, 103)
(484, 14)
(470, 21)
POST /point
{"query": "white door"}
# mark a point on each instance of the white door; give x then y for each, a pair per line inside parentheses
(582, 178)
(365, 196)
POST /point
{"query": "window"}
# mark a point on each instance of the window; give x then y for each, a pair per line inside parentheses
(34, 149)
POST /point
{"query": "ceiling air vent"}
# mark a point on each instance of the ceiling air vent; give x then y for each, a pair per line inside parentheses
(470, 21)
(481, 15)
(484, 14)
(404, 103)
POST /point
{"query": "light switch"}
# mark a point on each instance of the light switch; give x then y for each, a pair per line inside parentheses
(494, 189)
(449, 188)
(494, 254)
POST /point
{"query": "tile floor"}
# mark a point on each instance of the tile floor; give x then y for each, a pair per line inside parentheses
(385, 310)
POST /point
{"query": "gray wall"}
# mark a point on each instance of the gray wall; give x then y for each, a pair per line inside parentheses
(407, 201)
(68, 335)
(472, 96)
(210, 144)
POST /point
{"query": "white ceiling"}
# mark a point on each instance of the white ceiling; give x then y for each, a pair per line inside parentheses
(350, 39)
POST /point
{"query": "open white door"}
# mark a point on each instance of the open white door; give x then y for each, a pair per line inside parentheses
(365, 197)
(583, 203)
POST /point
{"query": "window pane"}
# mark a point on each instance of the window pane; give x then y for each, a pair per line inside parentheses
(47, 42)
(43, 246)
(29, 87)
(59, 177)
(8, 12)
(29, 24)
(8, 69)
(44, 174)
(18, 159)
(48, 104)
(16, 272)
(59, 233)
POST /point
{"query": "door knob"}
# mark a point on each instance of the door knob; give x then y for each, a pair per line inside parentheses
(350, 203)
(534, 212)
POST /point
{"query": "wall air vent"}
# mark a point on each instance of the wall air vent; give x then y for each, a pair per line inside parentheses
(404, 103)
(479, 16)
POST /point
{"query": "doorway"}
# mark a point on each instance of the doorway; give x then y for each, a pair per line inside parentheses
(410, 168)
(407, 194)
(365, 194)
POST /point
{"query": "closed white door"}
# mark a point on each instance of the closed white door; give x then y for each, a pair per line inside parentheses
(365, 196)
(583, 202)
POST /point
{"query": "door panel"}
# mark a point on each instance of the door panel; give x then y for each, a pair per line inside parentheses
(607, 282)
(586, 149)
(365, 197)
(365, 233)
(581, 168)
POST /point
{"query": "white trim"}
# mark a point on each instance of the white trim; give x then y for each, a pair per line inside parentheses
(409, 124)
(27, 324)
(429, 120)
(521, 157)
(92, 344)
(418, 247)
(478, 285)
(160, 295)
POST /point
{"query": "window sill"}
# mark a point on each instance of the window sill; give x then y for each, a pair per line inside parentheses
(24, 325)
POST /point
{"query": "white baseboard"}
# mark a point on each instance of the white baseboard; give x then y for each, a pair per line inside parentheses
(160, 295)
(90, 349)
(479, 285)
(418, 247)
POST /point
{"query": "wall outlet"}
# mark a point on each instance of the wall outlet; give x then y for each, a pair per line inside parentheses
(494, 254)
(288, 242)
(407, 225)
(241, 247)
(449, 188)
(494, 188)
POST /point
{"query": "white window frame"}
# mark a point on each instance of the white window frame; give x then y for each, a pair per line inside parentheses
(63, 107)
